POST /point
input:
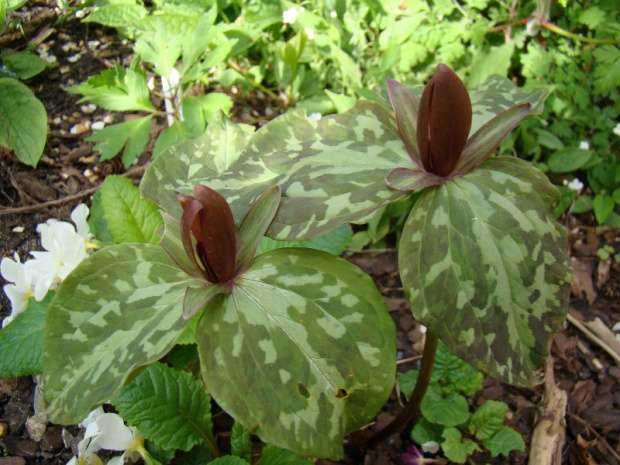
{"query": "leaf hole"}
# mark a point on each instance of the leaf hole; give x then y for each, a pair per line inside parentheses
(341, 393)
(303, 390)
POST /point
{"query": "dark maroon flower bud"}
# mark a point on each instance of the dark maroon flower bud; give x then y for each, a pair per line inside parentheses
(444, 121)
(207, 217)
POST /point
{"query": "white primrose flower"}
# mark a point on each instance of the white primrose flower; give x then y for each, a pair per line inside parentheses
(65, 247)
(431, 447)
(584, 145)
(575, 184)
(616, 130)
(309, 33)
(290, 16)
(107, 431)
(22, 278)
(315, 116)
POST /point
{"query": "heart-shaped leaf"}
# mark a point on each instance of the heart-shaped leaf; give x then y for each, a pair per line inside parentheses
(485, 267)
(120, 309)
(301, 352)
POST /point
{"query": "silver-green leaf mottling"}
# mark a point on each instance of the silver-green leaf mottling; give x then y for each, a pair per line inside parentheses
(120, 309)
(485, 267)
(302, 351)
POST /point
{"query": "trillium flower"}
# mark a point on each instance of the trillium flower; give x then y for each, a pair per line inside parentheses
(435, 131)
(213, 252)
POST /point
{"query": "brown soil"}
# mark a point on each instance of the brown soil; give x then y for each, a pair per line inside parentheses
(70, 171)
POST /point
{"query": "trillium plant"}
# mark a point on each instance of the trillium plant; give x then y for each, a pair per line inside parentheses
(294, 343)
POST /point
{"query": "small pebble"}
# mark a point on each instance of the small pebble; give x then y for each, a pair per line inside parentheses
(80, 128)
(97, 125)
(88, 108)
(18, 229)
(108, 119)
(4, 428)
(74, 58)
(12, 461)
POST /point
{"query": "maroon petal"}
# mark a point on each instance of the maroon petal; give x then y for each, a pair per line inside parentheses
(215, 235)
(191, 207)
(444, 121)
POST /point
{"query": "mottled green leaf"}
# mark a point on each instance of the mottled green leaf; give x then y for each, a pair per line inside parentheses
(129, 217)
(334, 242)
(498, 94)
(485, 267)
(168, 406)
(119, 310)
(198, 296)
(504, 441)
(21, 341)
(444, 409)
(331, 172)
(273, 455)
(290, 353)
(192, 162)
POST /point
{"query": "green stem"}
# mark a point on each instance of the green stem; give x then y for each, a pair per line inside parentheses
(571, 35)
(252, 82)
(413, 404)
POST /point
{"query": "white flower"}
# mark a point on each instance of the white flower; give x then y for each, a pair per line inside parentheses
(584, 145)
(107, 431)
(309, 33)
(616, 130)
(290, 16)
(21, 290)
(65, 247)
(172, 100)
(431, 447)
(333, 14)
(575, 184)
(315, 116)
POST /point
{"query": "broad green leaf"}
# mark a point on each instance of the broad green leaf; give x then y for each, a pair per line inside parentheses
(240, 442)
(454, 374)
(97, 222)
(168, 406)
(334, 242)
(23, 121)
(504, 441)
(290, 353)
(22, 65)
(602, 205)
(407, 381)
(548, 139)
(424, 431)
(495, 60)
(273, 455)
(182, 355)
(569, 159)
(116, 89)
(444, 409)
(129, 217)
(487, 419)
(122, 14)
(21, 341)
(119, 310)
(160, 46)
(198, 111)
(485, 267)
(133, 135)
(455, 448)
(228, 460)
